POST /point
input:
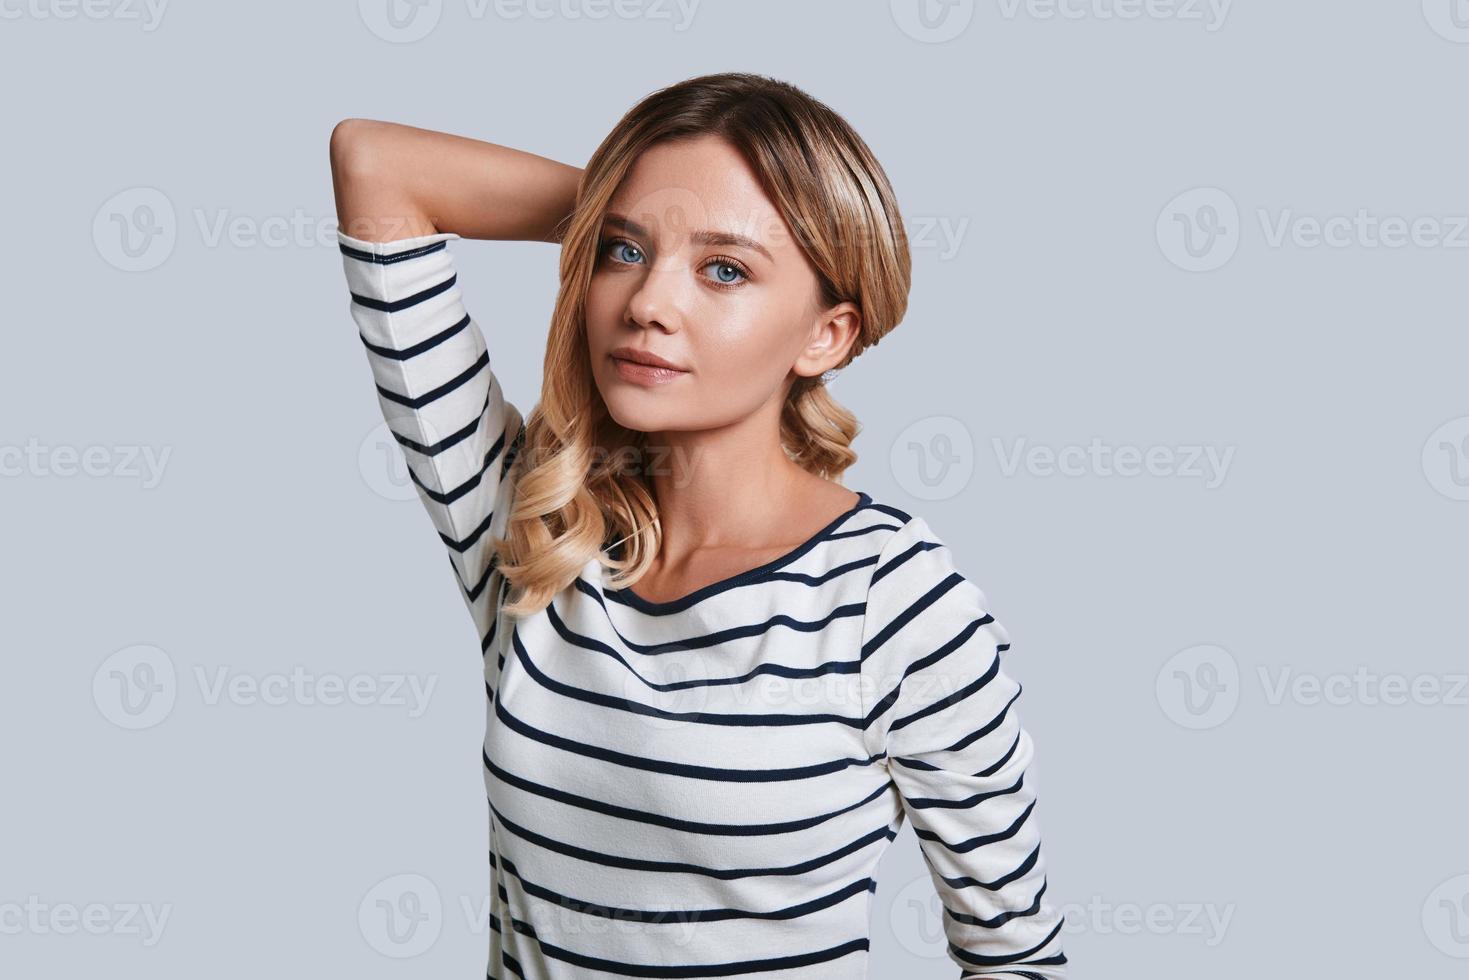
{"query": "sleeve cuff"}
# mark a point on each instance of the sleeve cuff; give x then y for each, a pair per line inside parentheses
(394, 247)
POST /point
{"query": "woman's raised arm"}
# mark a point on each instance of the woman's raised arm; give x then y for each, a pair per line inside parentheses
(395, 181)
(402, 195)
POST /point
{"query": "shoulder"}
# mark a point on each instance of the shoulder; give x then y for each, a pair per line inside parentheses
(917, 586)
(905, 545)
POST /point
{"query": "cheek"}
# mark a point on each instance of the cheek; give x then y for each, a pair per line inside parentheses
(749, 347)
(600, 311)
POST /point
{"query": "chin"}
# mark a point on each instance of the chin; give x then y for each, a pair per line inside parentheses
(633, 409)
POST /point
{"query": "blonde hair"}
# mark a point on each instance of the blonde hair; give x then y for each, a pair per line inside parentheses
(581, 486)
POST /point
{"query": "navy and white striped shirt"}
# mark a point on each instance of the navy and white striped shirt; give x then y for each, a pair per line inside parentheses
(703, 787)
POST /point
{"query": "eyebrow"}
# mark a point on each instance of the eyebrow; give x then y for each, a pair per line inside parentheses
(724, 238)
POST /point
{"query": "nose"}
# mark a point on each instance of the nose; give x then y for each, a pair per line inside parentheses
(657, 301)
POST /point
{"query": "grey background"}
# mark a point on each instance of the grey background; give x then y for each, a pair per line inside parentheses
(1326, 837)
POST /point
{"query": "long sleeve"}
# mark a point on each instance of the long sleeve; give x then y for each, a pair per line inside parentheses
(943, 709)
(439, 396)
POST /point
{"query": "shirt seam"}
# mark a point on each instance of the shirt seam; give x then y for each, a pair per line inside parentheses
(861, 663)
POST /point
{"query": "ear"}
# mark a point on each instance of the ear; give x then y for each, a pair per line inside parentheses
(832, 335)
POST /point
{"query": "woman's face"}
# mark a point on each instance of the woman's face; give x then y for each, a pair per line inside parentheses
(697, 267)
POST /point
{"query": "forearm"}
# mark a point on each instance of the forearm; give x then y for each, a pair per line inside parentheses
(395, 181)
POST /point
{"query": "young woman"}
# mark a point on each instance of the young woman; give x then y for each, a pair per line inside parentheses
(717, 679)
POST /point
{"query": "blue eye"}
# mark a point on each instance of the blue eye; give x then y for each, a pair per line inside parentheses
(611, 245)
(728, 264)
(732, 274)
(734, 270)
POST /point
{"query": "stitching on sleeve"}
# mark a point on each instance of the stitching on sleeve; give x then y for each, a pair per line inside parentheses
(862, 685)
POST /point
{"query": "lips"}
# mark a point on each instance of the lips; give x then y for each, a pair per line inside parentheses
(644, 357)
(644, 368)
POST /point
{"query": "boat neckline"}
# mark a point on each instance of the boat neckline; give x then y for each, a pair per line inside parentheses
(631, 598)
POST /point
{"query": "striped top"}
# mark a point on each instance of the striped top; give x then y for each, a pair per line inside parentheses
(703, 787)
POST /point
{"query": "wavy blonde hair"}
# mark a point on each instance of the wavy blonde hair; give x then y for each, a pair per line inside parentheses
(582, 489)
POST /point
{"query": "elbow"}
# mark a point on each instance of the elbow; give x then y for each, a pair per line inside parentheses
(351, 149)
